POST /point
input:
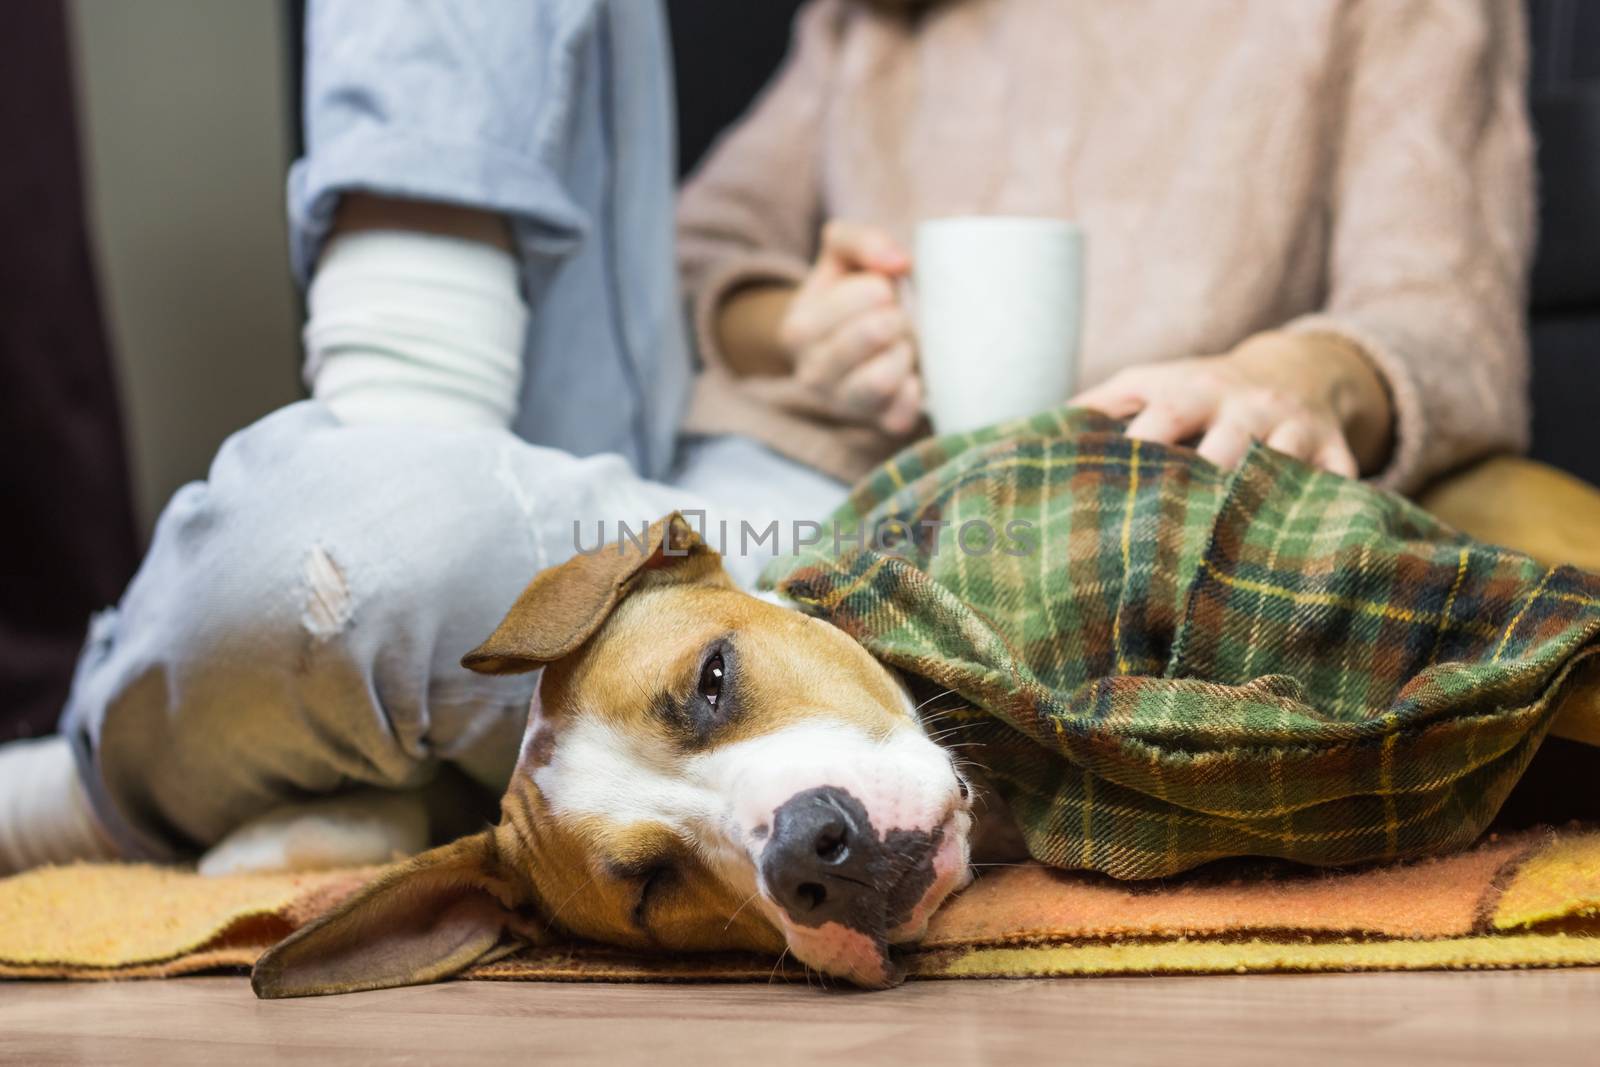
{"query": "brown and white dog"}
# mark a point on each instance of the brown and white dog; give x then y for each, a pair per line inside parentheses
(702, 770)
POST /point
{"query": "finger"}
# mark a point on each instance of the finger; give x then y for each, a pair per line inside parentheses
(1112, 403)
(1118, 397)
(901, 416)
(1226, 443)
(861, 338)
(819, 311)
(1293, 438)
(850, 246)
(1335, 456)
(1168, 423)
(868, 389)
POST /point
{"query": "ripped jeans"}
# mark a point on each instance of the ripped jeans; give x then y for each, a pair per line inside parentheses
(296, 626)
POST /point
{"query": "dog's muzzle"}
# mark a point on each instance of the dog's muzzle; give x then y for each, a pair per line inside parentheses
(824, 862)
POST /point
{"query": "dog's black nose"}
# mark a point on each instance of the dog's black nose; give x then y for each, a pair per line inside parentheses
(821, 859)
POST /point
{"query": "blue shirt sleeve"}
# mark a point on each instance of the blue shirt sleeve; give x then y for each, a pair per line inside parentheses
(468, 103)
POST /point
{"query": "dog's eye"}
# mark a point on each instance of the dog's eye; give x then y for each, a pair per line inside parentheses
(711, 679)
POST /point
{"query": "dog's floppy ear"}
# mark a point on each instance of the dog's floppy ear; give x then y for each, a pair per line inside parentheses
(563, 606)
(429, 919)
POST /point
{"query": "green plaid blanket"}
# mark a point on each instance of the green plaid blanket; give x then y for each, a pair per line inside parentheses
(1163, 663)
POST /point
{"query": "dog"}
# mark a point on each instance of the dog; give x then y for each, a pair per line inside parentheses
(706, 770)
(703, 769)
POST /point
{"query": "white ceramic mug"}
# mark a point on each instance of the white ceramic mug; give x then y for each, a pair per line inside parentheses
(999, 309)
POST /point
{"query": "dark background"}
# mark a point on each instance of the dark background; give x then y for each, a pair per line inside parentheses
(67, 536)
(1564, 320)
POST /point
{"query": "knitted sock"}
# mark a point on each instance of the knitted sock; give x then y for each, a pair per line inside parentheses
(44, 810)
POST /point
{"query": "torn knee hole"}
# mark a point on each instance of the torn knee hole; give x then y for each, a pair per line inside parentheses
(328, 606)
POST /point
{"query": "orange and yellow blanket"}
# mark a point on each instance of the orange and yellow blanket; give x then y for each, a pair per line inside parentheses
(1530, 899)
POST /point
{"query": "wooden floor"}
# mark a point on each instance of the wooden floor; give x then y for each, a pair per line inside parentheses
(1538, 1017)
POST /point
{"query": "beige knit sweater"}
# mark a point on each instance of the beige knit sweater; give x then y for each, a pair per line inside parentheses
(1361, 168)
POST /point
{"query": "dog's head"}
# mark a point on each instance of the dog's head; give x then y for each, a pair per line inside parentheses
(702, 770)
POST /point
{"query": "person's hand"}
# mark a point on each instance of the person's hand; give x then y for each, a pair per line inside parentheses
(848, 337)
(1316, 398)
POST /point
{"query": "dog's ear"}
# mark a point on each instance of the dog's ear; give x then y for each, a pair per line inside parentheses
(563, 606)
(426, 920)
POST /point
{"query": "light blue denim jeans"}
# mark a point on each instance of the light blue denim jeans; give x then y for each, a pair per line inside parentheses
(557, 115)
(297, 625)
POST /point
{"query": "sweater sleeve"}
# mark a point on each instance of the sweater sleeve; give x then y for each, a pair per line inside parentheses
(752, 210)
(1432, 225)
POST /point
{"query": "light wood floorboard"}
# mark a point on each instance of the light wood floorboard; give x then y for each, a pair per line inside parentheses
(1538, 1017)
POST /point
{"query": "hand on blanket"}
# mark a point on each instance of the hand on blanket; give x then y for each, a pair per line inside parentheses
(1314, 397)
(848, 336)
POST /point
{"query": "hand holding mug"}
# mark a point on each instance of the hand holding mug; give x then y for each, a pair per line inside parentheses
(850, 340)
